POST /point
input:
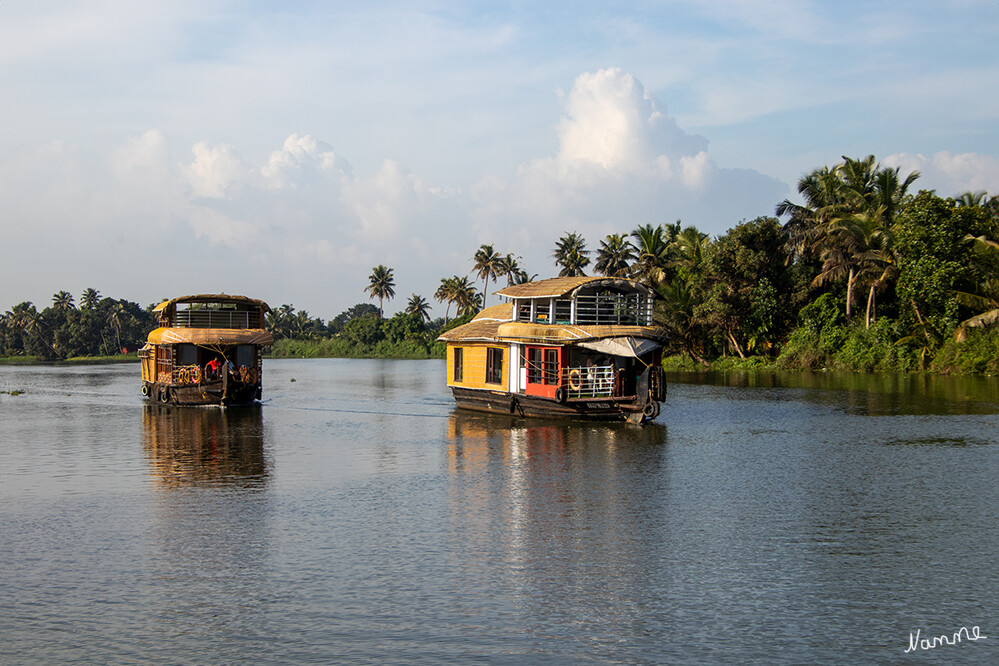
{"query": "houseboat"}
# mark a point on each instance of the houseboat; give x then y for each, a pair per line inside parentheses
(581, 347)
(206, 351)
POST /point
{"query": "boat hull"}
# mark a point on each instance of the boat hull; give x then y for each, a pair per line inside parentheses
(208, 393)
(529, 406)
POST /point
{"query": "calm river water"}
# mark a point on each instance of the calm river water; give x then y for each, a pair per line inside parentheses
(356, 516)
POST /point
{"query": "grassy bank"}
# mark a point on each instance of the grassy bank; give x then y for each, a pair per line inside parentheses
(76, 360)
(859, 349)
(340, 348)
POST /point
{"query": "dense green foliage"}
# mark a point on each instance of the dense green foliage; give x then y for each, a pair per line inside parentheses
(363, 334)
(100, 327)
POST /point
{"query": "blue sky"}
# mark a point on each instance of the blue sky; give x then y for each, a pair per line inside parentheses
(282, 150)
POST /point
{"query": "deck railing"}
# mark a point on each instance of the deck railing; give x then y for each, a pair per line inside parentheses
(216, 319)
(614, 310)
(593, 381)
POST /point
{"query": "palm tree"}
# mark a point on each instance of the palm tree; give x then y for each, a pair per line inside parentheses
(656, 249)
(302, 325)
(63, 301)
(466, 298)
(446, 292)
(458, 290)
(987, 300)
(570, 253)
(676, 313)
(418, 305)
(279, 321)
(486, 263)
(117, 318)
(690, 246)
(615, 256)
(874, 196)
(849, 222)
(90, 298)
(822, 192)
(509, 267)
(381, 285)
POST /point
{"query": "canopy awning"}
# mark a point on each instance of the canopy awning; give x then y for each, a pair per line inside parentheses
(624, 346)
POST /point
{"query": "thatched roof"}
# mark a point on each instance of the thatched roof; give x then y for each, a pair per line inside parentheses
(560, 286)
(212, 298)
(483, 326)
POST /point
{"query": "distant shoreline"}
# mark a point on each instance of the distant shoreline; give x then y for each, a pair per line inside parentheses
(677, 364)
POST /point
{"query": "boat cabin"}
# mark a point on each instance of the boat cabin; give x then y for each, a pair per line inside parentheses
(207, 349)
(586, 344)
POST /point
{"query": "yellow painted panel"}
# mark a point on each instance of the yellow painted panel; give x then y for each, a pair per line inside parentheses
(474, 366)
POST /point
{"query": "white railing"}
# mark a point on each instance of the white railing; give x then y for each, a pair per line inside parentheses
(592, 310)
(593, 381)
(617, 310)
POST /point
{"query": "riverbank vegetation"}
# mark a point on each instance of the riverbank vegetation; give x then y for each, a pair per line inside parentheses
(100, 328)
(863, 275)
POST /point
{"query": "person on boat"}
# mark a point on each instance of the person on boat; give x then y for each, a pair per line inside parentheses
(212, 369)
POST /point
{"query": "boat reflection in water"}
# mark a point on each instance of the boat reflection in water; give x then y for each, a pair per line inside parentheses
(538, 503)
(476, 439)
(205, 446)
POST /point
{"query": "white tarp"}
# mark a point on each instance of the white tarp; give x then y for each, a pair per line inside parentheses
(625, 346)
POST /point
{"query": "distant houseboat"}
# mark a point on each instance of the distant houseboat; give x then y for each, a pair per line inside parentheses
(575, 347)
(206, 351)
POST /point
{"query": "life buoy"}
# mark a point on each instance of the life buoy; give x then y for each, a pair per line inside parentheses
(145, 390)
(195, 374)
(164, 394)
(578, 384)
(560, 394)
(185, 376)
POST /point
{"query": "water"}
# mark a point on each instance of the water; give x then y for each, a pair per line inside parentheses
(356, 517)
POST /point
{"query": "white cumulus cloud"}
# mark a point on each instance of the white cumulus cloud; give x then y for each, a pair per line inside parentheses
(950, 174)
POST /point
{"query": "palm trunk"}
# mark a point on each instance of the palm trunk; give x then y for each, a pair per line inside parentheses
(735, 343)
(849, 292)
(697, 357)
(870, 307)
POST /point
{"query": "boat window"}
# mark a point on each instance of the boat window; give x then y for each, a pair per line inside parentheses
(494, 366)
(551, 366)
(534, 365)
(187, 354)
(542, 311)
(458, 369)
(542, 365)
(523, 310)
(246, 355)
(563, 311)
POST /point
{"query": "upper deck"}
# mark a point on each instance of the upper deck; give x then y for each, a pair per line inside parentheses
(564, 311)
(214, 311)
(581, 301)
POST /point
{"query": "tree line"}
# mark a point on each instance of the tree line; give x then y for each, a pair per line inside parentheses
(864, 274)
(98, 327)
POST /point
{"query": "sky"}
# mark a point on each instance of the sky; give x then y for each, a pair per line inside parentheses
(281, 150)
